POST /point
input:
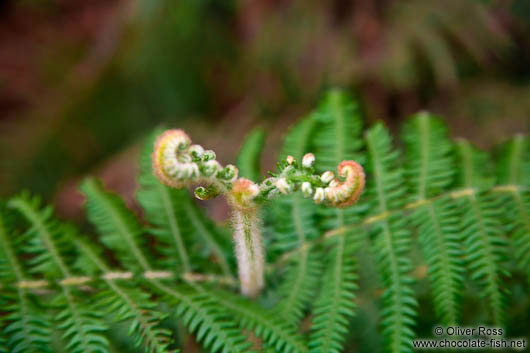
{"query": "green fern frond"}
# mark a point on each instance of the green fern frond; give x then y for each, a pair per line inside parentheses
(46, 238)
(297, 141)
(118, 227)
(202, 315)
(24, 327)
(430, 170)
(483, 233)
(513, 170)
(127, 302)
(478, 171)
(216, 241)
(336, 302)
(440, 240)
(337, 131)
(300, 284)
(514, 162)
(337, 138)
(273, 329)
(429, 162)
(81, 326)
(391, 240)
(248, 158)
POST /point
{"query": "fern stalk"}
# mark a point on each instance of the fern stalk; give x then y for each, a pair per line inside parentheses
(249, 251)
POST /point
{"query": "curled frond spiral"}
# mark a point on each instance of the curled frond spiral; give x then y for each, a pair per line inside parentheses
(178, 163)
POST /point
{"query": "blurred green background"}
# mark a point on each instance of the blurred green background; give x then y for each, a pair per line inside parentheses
(81, 82)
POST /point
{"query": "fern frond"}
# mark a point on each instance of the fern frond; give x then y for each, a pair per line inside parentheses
(429, 164)
(248, 158)
(82, 327)
(301, 283)
(514, 163)
(127, 302)
(336, 302)
(486, 249)
(514, 169)
(337, 131)
(391, 240)
(440, 240)
(202, 315)
(294, 224)
(24, 327)
(212, 325)
(485, 245)
(117, 225)
(297, 141)
(177, 220)
(337, 138)
(274, 330)
(45, 239)
(430, 169)
(216, 240)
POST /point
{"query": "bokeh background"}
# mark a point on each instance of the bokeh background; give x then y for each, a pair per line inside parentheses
(82, 82)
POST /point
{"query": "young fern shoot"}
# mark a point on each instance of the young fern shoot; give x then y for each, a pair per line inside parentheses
(177, 163)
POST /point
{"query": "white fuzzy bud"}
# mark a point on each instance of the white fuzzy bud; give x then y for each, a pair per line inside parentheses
(307, 190)
(282, 185)
(319, 195)
(231, 173)
(209, 155)
(290, 159)
(196, 151)
(308, 160)
(327, 177)
(211, 168)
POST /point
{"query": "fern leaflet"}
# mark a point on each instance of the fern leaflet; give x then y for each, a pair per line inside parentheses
(430, 169)
(485, 245)
(391, 240)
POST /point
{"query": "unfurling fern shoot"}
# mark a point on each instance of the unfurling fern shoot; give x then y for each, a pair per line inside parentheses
(178, 163)
(437, 224)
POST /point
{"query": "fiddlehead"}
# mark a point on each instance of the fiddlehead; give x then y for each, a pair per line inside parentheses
(178, 163)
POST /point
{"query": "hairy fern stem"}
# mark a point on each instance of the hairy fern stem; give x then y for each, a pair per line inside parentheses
(249, 250)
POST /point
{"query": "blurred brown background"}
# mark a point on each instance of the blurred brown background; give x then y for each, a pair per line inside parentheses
(81, 82)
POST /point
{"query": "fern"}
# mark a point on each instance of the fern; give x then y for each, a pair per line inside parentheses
(430, 167)
(485, 244)
(248, 159)
(27, 327)
(391, 240)
(131, 304)
(294, 225)
(273, 329)
(338, 128)
(81, 327)
(514, 170)
(120, 232)
(141, 277)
